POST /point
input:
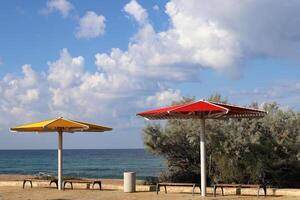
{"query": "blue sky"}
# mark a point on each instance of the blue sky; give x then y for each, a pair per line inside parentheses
(103, 61)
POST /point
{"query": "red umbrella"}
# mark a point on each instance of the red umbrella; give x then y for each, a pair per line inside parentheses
(202, 110)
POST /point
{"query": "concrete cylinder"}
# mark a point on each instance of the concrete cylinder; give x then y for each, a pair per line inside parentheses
(129, 181)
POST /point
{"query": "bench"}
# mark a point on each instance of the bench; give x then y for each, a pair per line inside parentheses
(39, 180)
(158, 185)
(87, 182)
(240, 186)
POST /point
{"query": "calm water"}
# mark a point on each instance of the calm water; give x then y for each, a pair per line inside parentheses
(101, 163)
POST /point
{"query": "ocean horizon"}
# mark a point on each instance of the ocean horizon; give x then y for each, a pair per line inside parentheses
(87, 163)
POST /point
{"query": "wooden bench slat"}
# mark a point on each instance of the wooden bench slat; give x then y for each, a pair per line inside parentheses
(252, 186)
(228, 185)
(80, 181)
(178, 184)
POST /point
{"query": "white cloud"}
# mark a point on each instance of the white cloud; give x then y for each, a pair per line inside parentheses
(189, 44)
(197, 38)
(134, 9)
(30, 77)
(68, 89)
(274, 34)
(155, 8)
(73, 91)
(91, 25)
(206, 35)
(162, 98)
(66, 71)
(285, 92)
(64, 7)
(29, 96)
(201, 34)
(21, 97)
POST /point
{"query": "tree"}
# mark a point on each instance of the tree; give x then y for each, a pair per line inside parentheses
(239, 150)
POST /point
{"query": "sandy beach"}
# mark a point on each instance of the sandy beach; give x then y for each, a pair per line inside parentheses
(17, 193)
(112, 190)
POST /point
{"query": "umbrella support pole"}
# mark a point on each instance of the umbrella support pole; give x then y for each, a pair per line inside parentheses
(59, 161)
(202, 158)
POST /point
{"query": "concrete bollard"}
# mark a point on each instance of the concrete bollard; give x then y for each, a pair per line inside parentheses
(129, 181)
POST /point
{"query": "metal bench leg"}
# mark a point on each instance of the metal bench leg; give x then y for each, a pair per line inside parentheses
(215, 190)
(240, 190)
(157, 188)
(99, 183)
(165, 189)
(71, 184)
(264, 188)
(54, 181)
(222, 191)
(193, 189)
(64, 183)
(24, 183)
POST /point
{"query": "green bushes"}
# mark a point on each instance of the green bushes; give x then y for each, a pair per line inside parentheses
(238, 150)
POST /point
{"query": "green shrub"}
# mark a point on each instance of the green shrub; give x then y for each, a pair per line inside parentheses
(265, 150)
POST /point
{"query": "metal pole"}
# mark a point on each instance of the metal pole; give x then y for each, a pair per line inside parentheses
(202, 158)
(59, 157)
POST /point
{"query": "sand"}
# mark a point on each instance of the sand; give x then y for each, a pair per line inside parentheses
(17, 193)
(44, 192)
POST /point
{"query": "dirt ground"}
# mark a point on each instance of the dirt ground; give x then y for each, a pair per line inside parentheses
(40, 193)
(17, 193)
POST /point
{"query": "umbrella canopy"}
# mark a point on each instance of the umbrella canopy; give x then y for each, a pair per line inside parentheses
(202, 110)
(60, 125)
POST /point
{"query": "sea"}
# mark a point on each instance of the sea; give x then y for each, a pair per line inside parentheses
(88, 163)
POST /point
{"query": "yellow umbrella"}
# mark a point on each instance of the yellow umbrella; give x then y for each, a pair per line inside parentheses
(60, 125)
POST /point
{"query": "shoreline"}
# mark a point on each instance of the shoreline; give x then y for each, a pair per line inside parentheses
(21, 177)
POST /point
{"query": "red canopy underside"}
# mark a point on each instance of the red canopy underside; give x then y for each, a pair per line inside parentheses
(202, 109)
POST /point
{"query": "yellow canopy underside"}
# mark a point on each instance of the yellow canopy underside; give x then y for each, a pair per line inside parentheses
(60, 124)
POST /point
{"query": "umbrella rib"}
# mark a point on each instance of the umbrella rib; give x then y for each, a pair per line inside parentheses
(182, 106)
(86, 127)
(51, 122)
(217, 115)
(253, 109)
(212, 103)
